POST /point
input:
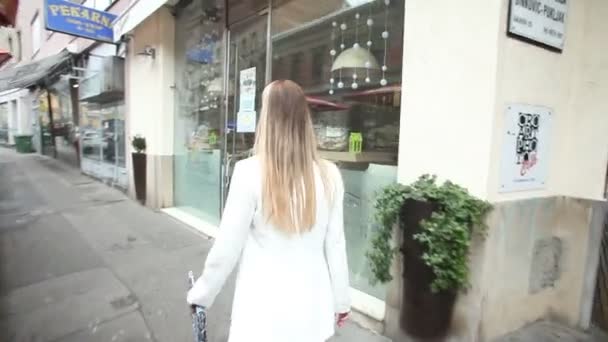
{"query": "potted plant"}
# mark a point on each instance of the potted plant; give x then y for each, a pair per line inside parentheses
(139, 167)
(437, 221)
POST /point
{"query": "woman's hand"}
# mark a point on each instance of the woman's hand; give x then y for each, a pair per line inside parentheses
(341, 319)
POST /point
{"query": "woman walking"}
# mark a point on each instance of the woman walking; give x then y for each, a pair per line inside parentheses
(283, 224)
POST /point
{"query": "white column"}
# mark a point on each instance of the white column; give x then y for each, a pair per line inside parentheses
(449, 77)
(150, 102)
(460, 73)
(450, 63)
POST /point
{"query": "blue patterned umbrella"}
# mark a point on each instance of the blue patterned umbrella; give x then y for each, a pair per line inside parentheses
(199, 317)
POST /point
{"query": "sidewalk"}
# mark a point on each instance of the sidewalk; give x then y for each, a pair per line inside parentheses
(544, 331)
(81, 262)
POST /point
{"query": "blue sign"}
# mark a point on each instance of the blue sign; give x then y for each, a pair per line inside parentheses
(76, 20)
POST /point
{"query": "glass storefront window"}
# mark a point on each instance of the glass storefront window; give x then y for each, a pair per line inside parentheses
(347, 55)
(42, 114)
(198, 122)
(90, 132)
(102, 141)
(63, 121)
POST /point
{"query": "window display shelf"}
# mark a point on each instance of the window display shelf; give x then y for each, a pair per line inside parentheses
(206, 150)
(363, 157)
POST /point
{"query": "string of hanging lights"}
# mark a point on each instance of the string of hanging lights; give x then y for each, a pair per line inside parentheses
(357, 58)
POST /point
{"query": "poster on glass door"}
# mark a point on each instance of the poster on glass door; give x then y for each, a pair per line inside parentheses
(246, 114)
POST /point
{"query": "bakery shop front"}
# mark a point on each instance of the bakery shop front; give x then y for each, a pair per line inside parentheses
(346, 55)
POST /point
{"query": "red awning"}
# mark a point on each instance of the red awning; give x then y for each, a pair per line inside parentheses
(5, 56)
(8, 12)
(376, 91)
(320, 104)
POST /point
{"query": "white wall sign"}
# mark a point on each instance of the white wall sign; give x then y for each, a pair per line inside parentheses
(245, 121)
(525, 149)
(543, 21)
(247, 89)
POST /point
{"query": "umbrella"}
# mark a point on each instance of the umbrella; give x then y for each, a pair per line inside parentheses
(199, 317)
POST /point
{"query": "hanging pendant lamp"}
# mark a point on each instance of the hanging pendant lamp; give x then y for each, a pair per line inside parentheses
(355, 57)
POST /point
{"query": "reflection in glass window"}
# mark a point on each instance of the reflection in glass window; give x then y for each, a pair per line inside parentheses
(347, 55)
(102, 135)
(199, 130)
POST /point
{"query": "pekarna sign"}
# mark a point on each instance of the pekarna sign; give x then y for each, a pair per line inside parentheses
(76, 20)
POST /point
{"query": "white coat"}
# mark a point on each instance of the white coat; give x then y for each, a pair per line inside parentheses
(288, 288)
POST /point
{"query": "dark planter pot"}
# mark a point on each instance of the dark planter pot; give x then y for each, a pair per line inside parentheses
(424, 314)
(139, 176)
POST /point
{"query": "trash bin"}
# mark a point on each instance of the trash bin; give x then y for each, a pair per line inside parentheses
(23, 143)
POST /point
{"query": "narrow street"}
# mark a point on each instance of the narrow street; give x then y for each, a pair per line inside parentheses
(81, 262)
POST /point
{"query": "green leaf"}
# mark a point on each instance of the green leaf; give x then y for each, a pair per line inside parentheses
(445, 236)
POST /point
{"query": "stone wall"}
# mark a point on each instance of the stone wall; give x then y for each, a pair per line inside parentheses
(539, 260)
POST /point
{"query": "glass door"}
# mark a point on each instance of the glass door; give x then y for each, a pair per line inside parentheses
(246, 70)
(113, 144)
(102, 142)
(91, 136)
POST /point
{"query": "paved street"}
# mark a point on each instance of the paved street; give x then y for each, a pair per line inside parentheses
(81, 262)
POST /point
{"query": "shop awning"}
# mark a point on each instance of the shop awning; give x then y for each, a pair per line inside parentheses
(136, 13)
(8, 12)
(34, 72)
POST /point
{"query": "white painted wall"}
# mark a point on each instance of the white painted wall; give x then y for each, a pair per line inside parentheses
(574, 84)
(587, 149)
(461, 70)
(150, 101)
(449, 73)
(149, 90)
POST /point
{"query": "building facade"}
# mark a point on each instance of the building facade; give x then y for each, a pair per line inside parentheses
(397, 89)
(437, 99)
(51, 107)
(187, 100)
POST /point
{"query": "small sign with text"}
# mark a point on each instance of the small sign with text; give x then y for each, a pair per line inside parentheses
(543, 21)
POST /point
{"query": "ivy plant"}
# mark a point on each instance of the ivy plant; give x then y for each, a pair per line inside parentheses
(445, 236)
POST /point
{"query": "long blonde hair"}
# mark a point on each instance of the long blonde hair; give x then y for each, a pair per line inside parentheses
(287, 148)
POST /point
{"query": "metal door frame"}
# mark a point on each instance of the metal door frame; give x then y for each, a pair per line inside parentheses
(225, 171)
